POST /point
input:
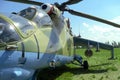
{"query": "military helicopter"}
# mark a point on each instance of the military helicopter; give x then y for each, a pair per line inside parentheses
(39, 37)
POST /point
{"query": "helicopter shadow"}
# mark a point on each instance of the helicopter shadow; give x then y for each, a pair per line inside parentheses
(103, 64)
(48, 74)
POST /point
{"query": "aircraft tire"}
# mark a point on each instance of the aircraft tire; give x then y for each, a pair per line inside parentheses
(88, 53)
(85, 65)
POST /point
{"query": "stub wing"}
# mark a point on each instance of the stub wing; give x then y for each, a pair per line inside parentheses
(85, 42)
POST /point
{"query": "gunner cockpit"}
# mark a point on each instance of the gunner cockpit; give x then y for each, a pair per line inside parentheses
(7, 32)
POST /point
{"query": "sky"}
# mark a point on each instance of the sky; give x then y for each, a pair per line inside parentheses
(89, 29)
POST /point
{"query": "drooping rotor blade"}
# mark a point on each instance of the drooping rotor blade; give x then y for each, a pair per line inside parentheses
(69, 2)
(64, 4)
(93, 18)
(27, 2)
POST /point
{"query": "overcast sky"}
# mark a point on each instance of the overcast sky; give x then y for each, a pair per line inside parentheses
(107, 9)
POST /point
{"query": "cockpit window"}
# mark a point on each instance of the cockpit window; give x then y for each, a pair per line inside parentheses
(23, 24)
(7, 32)
(37, 15)
(42, 19)
(28, 13)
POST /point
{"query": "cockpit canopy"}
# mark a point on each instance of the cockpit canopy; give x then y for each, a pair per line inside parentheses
(24, 25)
(22, 21)
(40, 17)
(7, 32)
(28, 13)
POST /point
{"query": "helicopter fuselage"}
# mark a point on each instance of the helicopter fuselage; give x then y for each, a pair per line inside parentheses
(34, 41)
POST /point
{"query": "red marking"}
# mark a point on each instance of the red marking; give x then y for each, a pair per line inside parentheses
(51, 10)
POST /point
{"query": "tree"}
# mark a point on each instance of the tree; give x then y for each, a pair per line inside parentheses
(107, 42)
(119, 44)
(114, 43)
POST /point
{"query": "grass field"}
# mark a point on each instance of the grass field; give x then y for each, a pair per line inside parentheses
(100, 68)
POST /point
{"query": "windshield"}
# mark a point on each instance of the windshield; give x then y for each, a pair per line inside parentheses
(28, 13)
(7, 32)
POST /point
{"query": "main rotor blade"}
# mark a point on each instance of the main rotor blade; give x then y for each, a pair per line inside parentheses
(93, 18)
(69, 2)
(27, 2)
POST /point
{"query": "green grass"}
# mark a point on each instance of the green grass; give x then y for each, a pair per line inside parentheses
(100, 68)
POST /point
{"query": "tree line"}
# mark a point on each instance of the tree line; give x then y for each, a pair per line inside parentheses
(114, 44)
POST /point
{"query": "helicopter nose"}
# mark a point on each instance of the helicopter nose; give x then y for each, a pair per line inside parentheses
(1, 31)
(7, 31)
(3, 56)
(1, 28)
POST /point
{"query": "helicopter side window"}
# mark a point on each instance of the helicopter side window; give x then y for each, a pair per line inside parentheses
(23, 24)
(7, 32)
(28, 13)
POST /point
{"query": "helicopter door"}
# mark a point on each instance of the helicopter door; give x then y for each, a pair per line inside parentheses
(26, 31)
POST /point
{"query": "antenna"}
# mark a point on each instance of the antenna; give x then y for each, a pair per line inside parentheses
(79, 32)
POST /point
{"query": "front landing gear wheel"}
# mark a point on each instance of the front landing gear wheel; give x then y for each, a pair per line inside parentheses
(85, 65)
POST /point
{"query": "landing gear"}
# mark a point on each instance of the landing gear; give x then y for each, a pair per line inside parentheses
(88, 53)
(84, 64)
